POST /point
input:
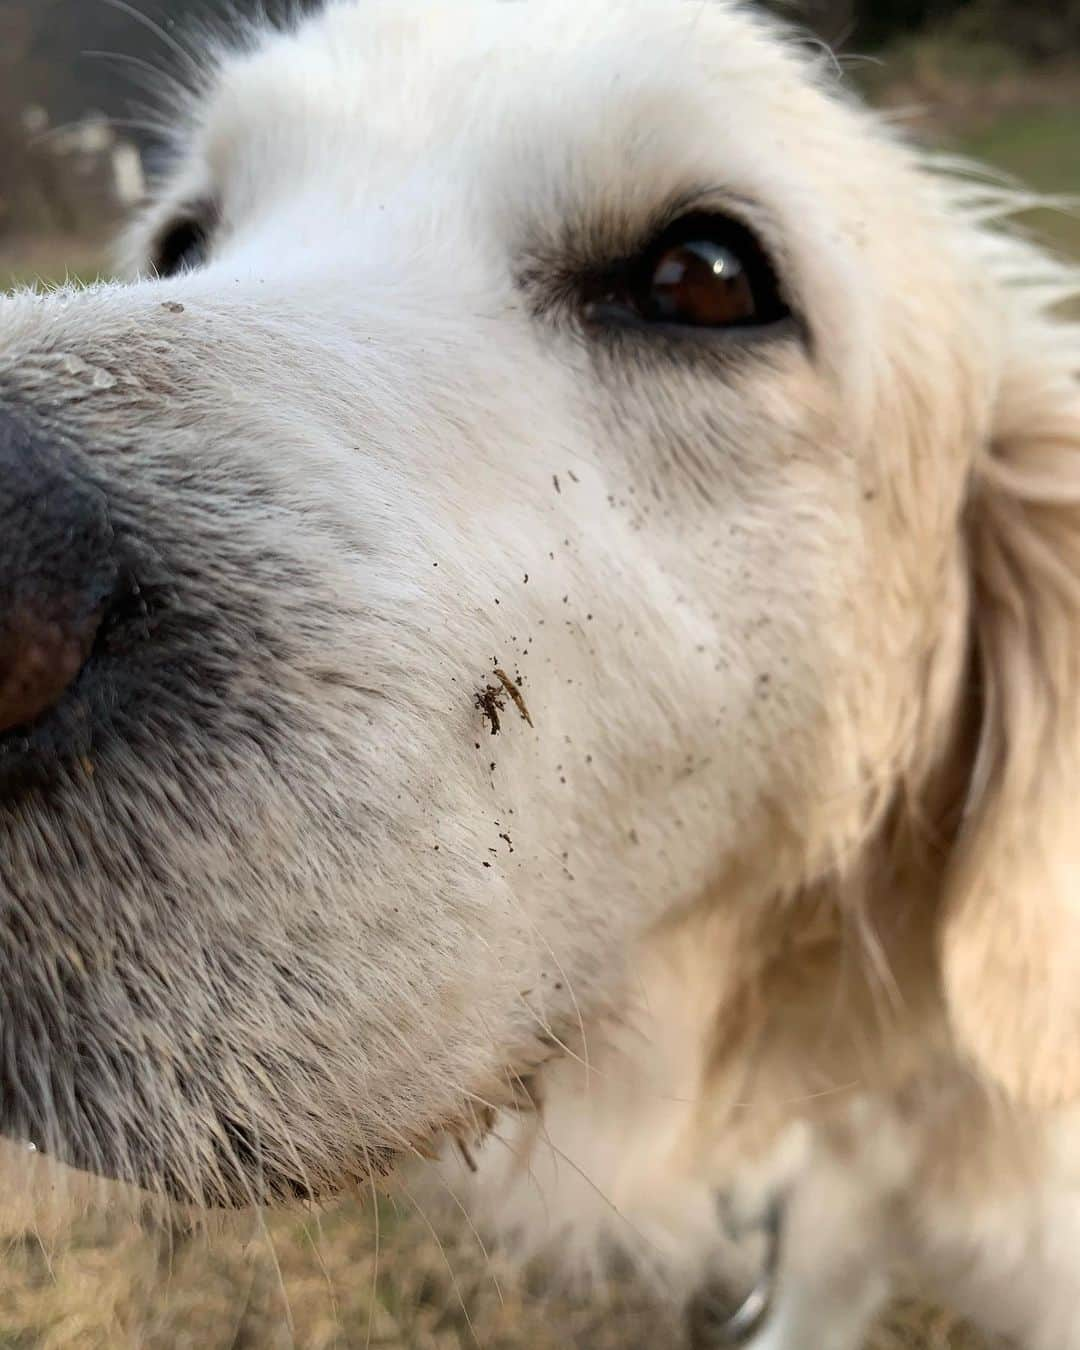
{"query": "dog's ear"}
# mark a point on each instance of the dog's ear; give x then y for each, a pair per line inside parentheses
(1010, 930)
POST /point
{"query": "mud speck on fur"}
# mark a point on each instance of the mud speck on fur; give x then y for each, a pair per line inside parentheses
(491, 703)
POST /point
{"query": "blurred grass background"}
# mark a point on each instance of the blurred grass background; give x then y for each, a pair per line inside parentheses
(358, 1274)
(324, 1281)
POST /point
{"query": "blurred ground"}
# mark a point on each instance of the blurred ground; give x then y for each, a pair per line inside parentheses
(321, 1281)
(52, 258)
(990, 109)
(1040, 146)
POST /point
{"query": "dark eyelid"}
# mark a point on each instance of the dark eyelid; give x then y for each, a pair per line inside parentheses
(617, 316)
(694, 202)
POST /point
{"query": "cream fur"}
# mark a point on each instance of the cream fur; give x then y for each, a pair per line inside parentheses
(781, 877)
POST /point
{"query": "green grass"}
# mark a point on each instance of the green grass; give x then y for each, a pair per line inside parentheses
(50, 261)
(1040, 148)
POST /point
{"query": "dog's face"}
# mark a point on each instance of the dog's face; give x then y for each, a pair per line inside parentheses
(584, 375)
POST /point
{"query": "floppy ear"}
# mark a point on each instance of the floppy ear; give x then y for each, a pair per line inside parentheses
(1010, 930)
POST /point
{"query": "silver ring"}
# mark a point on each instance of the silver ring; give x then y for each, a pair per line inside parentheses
(708, 1329)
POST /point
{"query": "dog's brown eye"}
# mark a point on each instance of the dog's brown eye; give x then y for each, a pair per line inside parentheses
(183, 246)
(704, 271)
(699, 282)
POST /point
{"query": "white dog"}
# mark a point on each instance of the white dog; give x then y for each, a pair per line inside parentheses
(559, 593)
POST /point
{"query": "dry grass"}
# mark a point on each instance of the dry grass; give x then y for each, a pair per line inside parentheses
(314, 1281)
(80, 1275)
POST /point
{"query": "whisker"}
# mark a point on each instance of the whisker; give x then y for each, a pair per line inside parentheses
(235, 1339)
(183, 92)
(378, 1241)
(161, 129)
(600, 1193)
(152, 26)
(316, 1248)
(290, 1322)
(548, 1031)
(449, 1265)
(536, 932)
(444, 1183)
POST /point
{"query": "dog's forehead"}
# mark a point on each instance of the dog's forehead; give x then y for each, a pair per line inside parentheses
(381, 81)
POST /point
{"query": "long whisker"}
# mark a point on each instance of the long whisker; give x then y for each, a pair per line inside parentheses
(157, 29)
(316, 1248)
(449, 1265)
(155, 74)
(260, 1216)
(444, 1183)
(600, 1193)
(370, 1170)
(155, 128)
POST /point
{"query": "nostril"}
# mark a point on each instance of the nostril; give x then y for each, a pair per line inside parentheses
(58, 570)
(41, 655)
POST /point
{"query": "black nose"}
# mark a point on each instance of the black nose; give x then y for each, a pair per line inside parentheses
(57, 569)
